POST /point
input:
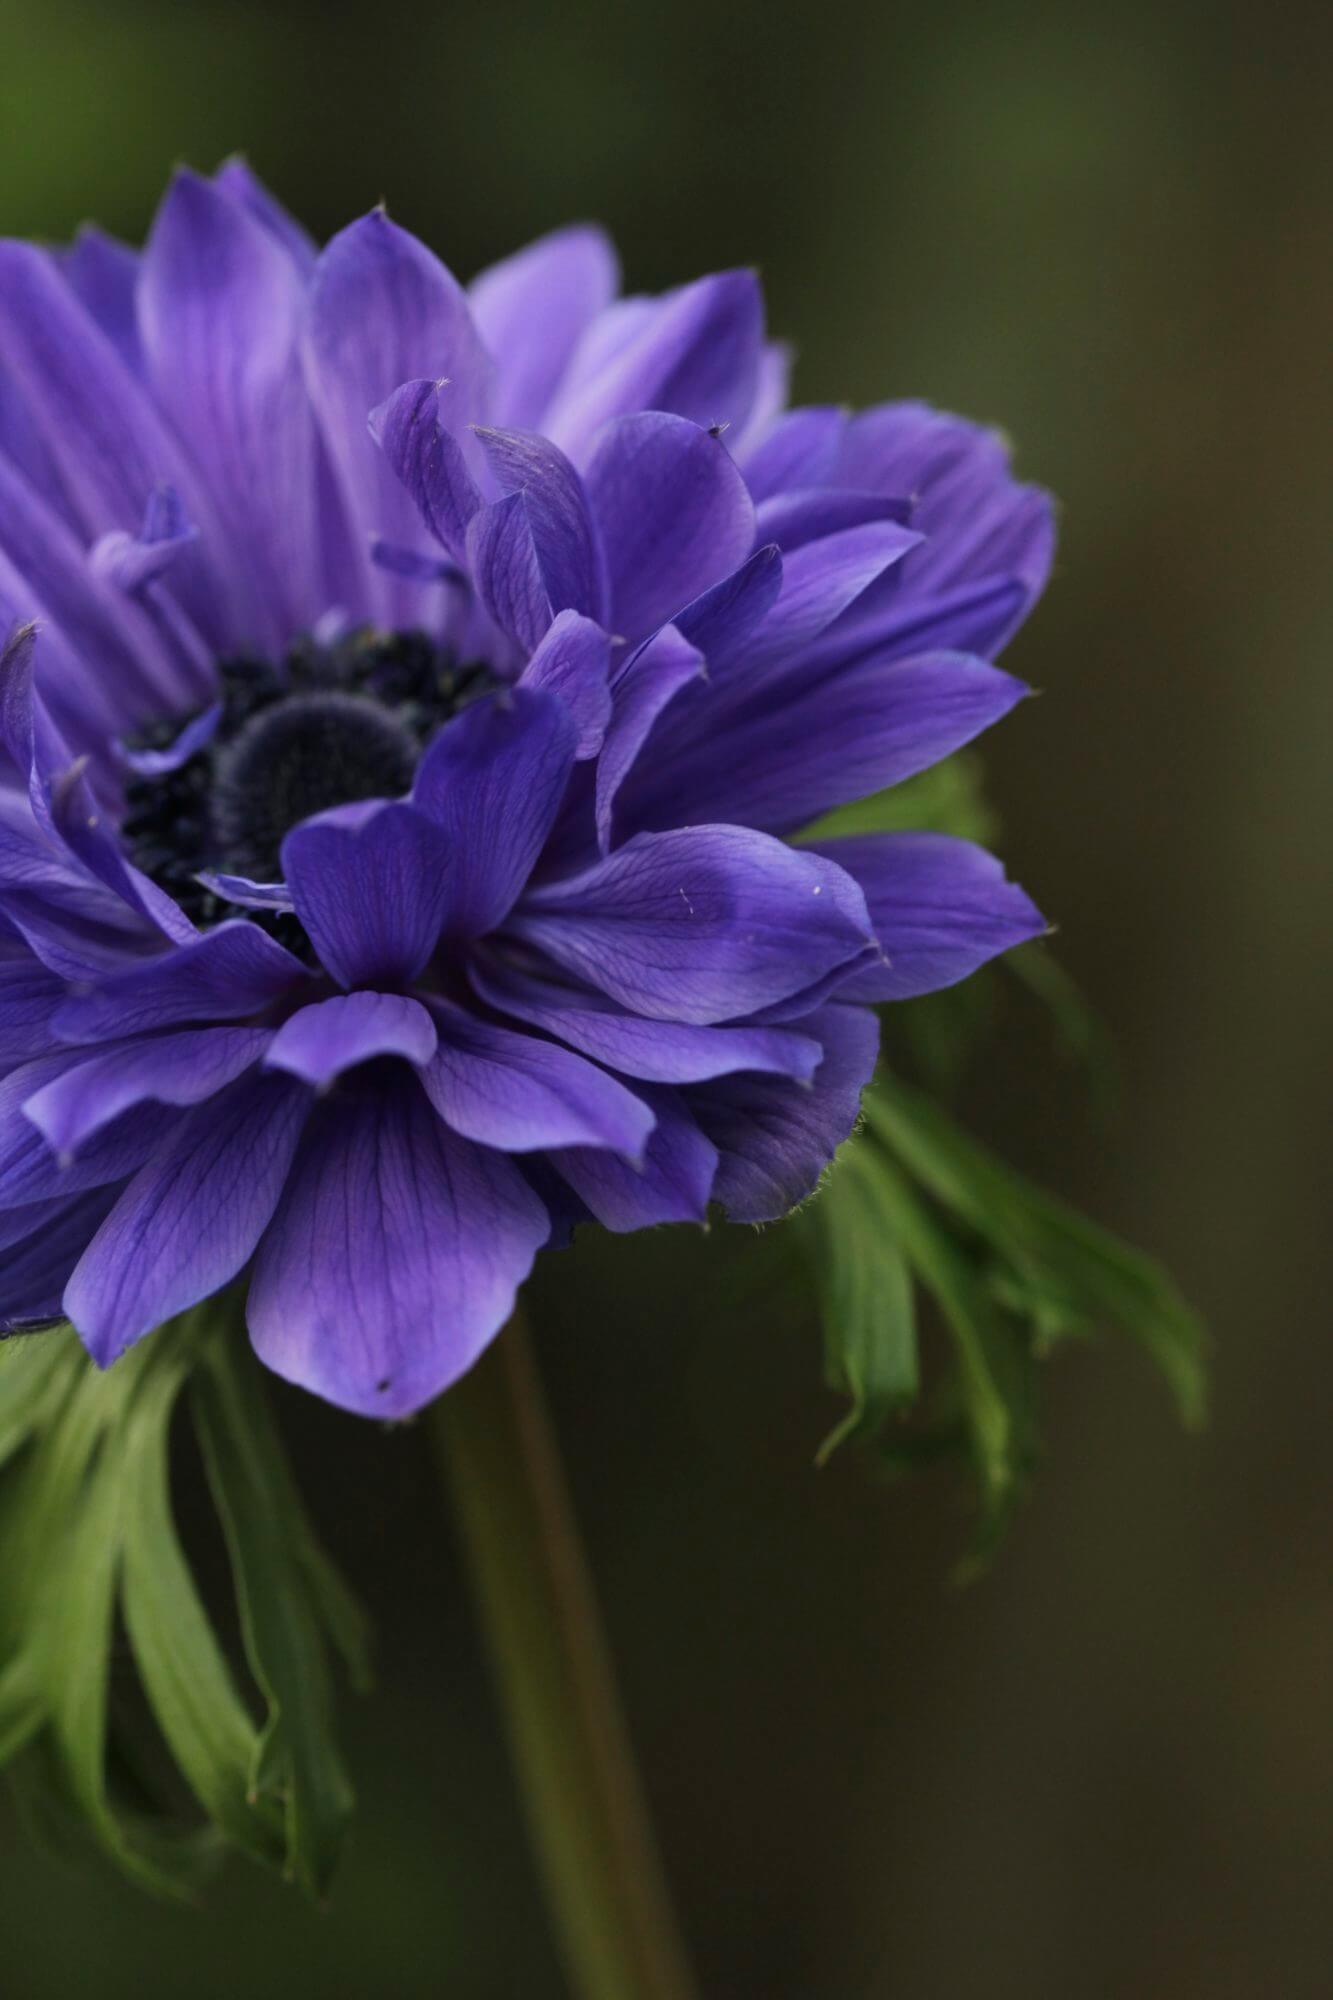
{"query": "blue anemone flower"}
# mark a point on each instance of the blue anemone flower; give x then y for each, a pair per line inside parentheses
(409, 697)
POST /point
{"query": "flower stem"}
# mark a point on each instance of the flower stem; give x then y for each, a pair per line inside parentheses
(586, 1811)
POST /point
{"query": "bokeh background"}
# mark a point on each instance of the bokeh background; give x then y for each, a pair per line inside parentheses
(1107, 1769)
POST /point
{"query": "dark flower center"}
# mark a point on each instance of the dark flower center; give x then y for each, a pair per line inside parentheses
(331, 725)
(298, 757)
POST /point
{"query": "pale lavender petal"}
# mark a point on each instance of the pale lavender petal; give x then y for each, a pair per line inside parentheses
(129, 562)
(531, 310)
(104, 274)
(775, 1143)
(190, 1219)
(222, 307)
(384, 311)
(395, 1256)
(237, 178)
(695, 352)
(318, 1043)
(372, 889)
(507, 1089)
(245, 893)
(673, 514)
(704, 924)
(195, 736)
(493, 780)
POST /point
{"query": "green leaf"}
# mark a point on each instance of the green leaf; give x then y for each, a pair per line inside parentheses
(297, 1759)
(88, 1538)
(945, 1271)
(185, 1677)
(947, 798)
(1072, 1274)
(866, 1302)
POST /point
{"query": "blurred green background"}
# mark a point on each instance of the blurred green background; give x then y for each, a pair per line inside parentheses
(1106, 1770)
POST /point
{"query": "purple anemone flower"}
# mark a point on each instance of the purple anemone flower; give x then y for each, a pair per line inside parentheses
(410, 698)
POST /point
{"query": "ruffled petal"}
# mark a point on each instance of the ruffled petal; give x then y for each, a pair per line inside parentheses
(568, 551)
(510, 1090)
(703, 924)
(781, 764)
(940, 907)
(673, 514)
(190, 1218)
(395, 1256)
(318, 1043)
(774, 1143)
(493, 779)
(178, 1069)
(573, 661)
(656, 674)
(657, 1051)
(673, 1183)
(428, 460)
(223, 975)
(30, 1170)
(371, 884)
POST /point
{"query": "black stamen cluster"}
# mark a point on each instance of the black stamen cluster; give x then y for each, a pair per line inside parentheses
(331, 724)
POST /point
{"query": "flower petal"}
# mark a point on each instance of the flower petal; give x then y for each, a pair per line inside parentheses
(775, 1142)
(493, 779)
(780, 764)
(695, 352)
(657, 1051)
(673, 514)
(190, 1218)
(384, 311)
(650, 680)
(30, 1171)
(318, 1043)
(703, 924)
(573, 661)
(506, 569)
(673, 1184)
(395, 1256)
(222, 306)
(569, 555)
(531, 309)
(176, 1069)
(429, 462)
(940, 907)
(520, 1094)
(372, 888)
(227, 973)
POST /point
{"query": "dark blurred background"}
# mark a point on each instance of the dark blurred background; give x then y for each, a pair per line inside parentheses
(1106, 1770)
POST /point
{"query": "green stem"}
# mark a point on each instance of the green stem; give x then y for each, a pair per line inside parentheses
(586, 1812)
